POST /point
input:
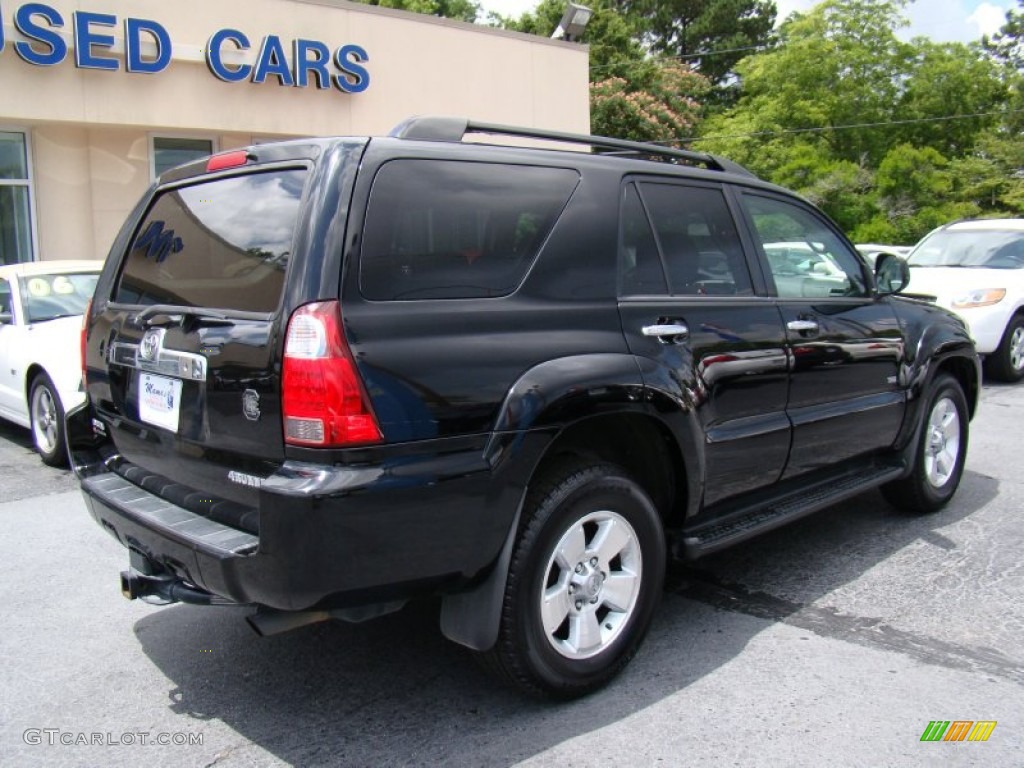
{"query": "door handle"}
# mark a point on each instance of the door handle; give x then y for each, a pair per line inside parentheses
(802, 326)
(666, 332)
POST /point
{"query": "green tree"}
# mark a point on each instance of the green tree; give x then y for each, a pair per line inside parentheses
(915, 193)
(836, 66)
(632, 94)
(945, 83)
(710, 35)
(890, 138)
(840, 188)
(1007, 45)
(464, 10)
(615, 49)
(992, 177)
(1007, 49)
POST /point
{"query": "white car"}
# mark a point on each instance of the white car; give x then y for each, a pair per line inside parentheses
(976, 269)
(41, 307)
(806, 269)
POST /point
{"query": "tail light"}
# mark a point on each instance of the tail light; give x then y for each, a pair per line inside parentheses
(83, 338)
(323, 400)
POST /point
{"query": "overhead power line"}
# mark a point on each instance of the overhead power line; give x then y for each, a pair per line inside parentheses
(822, 129)
(680, 57)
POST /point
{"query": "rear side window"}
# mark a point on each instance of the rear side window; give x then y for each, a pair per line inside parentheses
(699, 242)
(456, 230)
(222, 244)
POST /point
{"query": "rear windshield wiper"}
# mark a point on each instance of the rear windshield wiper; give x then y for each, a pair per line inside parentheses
(164, 316)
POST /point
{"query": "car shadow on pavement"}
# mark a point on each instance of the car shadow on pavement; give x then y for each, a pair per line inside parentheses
(24, 474)
(394, 692)
(12, 433)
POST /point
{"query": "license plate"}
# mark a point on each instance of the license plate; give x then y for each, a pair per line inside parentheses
(159, 400)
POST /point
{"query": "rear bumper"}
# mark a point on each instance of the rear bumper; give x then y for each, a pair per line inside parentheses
(329, 536)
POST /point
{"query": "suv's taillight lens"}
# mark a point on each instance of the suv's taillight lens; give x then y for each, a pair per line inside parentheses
(322, 397)
(83, 338)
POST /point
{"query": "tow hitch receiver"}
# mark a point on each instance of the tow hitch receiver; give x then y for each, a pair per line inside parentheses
(152, 583)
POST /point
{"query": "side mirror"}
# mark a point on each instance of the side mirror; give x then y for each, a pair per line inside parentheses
(892, 274)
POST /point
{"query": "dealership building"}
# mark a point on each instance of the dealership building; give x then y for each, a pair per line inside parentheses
(98, 97)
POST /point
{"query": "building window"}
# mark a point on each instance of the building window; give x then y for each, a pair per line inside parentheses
(170, 152)
(15, 199)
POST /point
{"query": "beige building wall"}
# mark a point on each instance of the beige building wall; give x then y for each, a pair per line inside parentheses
(91, 130)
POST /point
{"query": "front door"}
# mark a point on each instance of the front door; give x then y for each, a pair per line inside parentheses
(846, 344)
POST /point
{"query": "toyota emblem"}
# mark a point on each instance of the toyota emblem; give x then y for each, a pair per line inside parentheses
(149, 348)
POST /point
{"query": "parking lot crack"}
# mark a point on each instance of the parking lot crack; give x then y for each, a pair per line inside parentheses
(861, 630)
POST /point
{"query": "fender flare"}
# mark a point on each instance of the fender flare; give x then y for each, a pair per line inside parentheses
(930, 346)
(548, 398)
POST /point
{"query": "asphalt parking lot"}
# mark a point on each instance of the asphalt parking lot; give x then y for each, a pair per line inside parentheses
(835, 641)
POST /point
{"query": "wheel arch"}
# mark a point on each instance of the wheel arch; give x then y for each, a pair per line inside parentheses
(965, 372)
(647, 451)
(33, 371)
(590, 406)
(644, 447)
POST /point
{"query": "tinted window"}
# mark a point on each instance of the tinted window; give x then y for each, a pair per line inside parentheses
(805, 257)
(698, 238)
(50, 296)
(222, 244)
(450, 230)
(639, 261)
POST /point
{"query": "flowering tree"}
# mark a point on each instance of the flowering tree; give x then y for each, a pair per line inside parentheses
(663, 105)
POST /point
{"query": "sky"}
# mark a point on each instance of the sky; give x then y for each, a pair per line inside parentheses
(941, 20)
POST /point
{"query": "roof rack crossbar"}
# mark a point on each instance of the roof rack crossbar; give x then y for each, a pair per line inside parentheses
(455, 128)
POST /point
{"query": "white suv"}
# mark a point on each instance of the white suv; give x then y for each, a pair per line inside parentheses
(976, 269)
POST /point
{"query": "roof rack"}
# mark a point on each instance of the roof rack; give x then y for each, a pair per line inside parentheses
(430, 128)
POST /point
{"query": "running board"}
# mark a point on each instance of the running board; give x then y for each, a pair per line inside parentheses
(766, 514)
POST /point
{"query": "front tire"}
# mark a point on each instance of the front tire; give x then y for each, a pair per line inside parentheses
(940, 453)
(583, 583)
(1007, 362)
(47, 416)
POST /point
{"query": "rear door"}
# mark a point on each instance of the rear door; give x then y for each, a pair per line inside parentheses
(190, 335)
(847, 347)
(689, 308)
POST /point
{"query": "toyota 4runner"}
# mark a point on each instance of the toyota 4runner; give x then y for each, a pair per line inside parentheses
(328, 376)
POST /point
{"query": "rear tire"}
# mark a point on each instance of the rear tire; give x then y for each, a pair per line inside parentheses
(585, 578)
(940, 453)
(47, 416)
(1007, 362)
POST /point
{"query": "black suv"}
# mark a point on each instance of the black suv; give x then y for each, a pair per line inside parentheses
(328, 376)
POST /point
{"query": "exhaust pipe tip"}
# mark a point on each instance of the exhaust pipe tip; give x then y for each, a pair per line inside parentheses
(267, 621)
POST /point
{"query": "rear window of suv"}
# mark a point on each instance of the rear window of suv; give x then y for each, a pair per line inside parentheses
(222, 244)
(455, 230)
